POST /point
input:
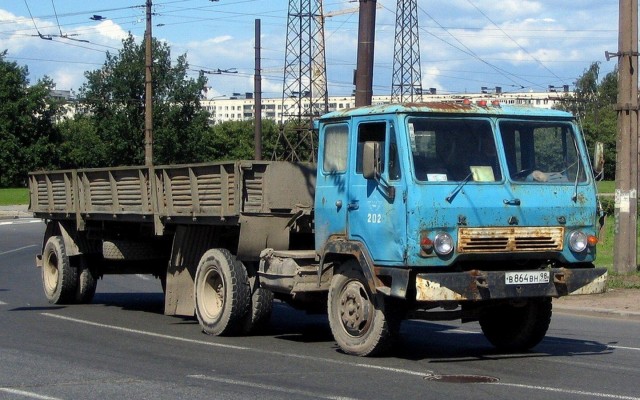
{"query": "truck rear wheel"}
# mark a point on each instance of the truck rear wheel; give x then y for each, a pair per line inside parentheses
(362, 324)
(87, 281)
(59, 278)
(260, 308)
(517, 327)
(221, 292)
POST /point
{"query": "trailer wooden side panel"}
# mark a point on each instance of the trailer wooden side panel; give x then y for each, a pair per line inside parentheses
(198, 193)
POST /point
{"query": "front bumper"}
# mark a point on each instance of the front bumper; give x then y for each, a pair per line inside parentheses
(485, 285)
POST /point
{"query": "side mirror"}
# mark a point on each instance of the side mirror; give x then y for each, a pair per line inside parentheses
(372, 165)
(371, 160)
(598, 158)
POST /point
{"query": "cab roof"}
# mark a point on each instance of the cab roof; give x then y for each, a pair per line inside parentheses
(449, 108)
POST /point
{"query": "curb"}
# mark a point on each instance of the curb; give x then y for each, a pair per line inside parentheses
(598, 312)
(15, 212)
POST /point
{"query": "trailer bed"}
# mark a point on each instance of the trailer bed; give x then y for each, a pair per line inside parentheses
(217, 192)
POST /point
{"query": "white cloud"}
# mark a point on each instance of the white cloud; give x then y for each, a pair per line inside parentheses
(108, 31)
(565, 36)
(431, 78)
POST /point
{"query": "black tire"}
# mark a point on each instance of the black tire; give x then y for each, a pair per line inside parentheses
(163, 282)
(517, 327)
(362, 324)
(87, 281)
(59, 278)
(260, 309)
(129, 250)
(221, 293)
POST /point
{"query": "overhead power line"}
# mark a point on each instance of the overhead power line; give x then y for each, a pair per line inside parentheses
(513, 40)
(465, 49)
(34, 24)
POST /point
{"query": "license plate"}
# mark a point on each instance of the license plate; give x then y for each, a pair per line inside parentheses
(526, 277)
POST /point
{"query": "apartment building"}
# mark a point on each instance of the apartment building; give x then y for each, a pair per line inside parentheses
(241, 107)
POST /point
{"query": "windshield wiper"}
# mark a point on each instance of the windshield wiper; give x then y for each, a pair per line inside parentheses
(575, 186)
(457, 189)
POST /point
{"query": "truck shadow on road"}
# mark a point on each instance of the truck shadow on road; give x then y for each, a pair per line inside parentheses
(419, 340)
(441, 343)
(144, 302)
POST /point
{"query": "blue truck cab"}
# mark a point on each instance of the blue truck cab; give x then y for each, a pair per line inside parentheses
(486, 207)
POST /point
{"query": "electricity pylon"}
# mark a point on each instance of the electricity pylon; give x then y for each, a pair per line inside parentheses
(406, 83)
(305, 80)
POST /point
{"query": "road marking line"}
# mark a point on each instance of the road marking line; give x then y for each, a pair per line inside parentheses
(234, 347)
(20, 222)
(27, 394)
(269, 387)
(143, 277)
(145, 333)
(18, 249)
(354, 364)
(2, 303)
(463, 331)
(623, 347)
(593, 365)
(565, 391)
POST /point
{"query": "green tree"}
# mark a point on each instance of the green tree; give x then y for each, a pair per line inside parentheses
(81, 144)
(114, 99)
(234, 140)
(28, 137)
(593, 105)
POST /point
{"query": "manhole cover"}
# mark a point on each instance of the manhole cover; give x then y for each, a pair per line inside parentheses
(461, 378)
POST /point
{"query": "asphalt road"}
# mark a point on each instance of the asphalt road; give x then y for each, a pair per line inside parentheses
(122, 346)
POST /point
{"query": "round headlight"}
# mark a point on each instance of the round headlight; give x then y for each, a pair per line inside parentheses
(443, 243)
(578, 241)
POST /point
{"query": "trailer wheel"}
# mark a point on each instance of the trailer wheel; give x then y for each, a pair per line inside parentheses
(59, 278)
(362, 324)
(128, 250)
(87, 281)
(221, 292)
(517, 327)
(260, 309)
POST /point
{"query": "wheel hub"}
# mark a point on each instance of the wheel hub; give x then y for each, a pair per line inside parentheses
(355, 309)
(51, 273)
(213, 295)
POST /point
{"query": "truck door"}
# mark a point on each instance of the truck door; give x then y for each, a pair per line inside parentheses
(376, 216)
(331, 184)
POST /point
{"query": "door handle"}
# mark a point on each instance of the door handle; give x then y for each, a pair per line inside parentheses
(512, 202)
(354, 205)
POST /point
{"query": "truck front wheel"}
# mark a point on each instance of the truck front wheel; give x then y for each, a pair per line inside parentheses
(519, 326)
(222, 293)
(362, 324)
(59, 278)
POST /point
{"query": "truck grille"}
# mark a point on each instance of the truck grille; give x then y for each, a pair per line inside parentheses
(515, 239)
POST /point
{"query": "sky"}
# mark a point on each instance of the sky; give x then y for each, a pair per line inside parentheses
(518, 45)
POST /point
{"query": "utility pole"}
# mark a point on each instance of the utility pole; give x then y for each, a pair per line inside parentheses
(626, 200)
(257, 96)
(148, 100)
(364, 65)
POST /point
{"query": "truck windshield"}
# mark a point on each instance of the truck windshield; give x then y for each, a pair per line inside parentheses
(465, 149)
(541, 151)
(447, 149)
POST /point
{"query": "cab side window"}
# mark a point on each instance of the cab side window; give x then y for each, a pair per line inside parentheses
(370, 132)
(335, 148)
(394, 156)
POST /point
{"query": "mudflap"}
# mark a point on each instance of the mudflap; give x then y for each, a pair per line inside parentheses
(485, 285)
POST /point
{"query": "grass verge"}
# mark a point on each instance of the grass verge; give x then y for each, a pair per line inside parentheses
(10, 197)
